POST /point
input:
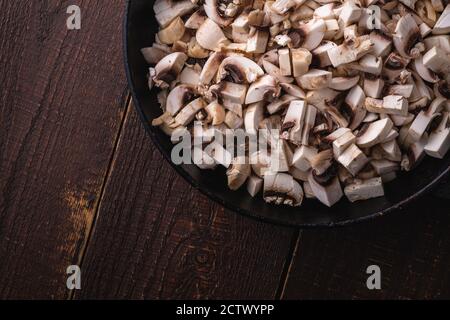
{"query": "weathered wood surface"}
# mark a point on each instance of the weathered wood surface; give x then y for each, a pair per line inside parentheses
(158, 238)
(61, 98)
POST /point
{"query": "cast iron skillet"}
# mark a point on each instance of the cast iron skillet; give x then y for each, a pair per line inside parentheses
(140, 27)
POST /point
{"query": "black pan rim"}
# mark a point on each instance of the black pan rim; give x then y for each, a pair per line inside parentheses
(230, 206)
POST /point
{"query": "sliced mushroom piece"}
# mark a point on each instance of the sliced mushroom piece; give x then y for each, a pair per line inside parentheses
(373, 87)
(265, 88)
(293, 122)
(210, 68)
(216, 112)
(254, 114)
(353, 159)
(350, 13)
(442, 26)
(437, 60)
(283, 6)
(343, 83)
(166, 123)
(166, 10)
(194, 50)
(407, 34)
(257, 43)
(382, 43)
(336, 134)
(439, 140)
(202, 159)
(233, 121)
(299, 174)
(196, 19)
(383, 166)
(375, 133)
(187, 114)
(219, 154)
(302, 157)
(168, 69)
(275, 72)
(233, 92)
(371, 117)
(393, 66)
(320, 98)
(280, 103)
(215, 10)
(173, 32)
(423, 120)
(301, 60)
(315, 79)
(239, 69)
(285, 62)
(260, 162)
(310, 119)
(210, 36)
(391, 150)
(441, 41)
(326, 187)
(281, 155)
(308, 35)
(238, 172)
(400, 120)
(293, 90)
(346, 53)
(254, 185)
(364, 190)
(404, 90)
(369, 64)
(178, 98)
(342, 143)
(425, 73)
(321, 57)
(190, 76)
(322, 161)
(396, 105)
(153, 55)
(355, 100)
(281, 188)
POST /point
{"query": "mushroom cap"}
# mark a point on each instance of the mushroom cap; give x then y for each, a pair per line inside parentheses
(170, 67)
(375, 133)
(239, 69)
(407, 34)
(178, 98)
(264, 89)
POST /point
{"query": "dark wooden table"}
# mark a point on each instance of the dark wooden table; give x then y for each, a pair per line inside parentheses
(82, 184)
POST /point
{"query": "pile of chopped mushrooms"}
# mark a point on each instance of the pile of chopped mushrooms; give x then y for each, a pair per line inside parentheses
(358, 89)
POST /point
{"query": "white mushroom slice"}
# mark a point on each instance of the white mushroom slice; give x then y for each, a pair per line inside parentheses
(373, 87)
(211, 66)
(369, 64)
(194, 50)
(424, 29)
(353, 159)
(321, 53)
(275, 72)
(424, 118)
(233, 121)
(355, 100)
(281, 156)
(393, 66)
(315, 79)
(410, 3)
(320, 98)
(400, 121)
(166, 123)
(212, 8)
(299, 174)
(415, 154)
(322, 161)
(391, 136)
(178, 98)
(343, 83)
(232, 92)
(442, 26)
(216, 112)
(342, 143)
(190, 76)
(173, 32)
(202, 159)
(238, 172)
(210, 36)
(240, 69)
(166, 10)
(325, 12)
(293, 90)
(280, 103)
(313, 33)
(332, 29)
(346, 53)
(396, 105)
(309, 194)
(371, 117)
(406, 35)
(309, 121)
(196, 20)
(382, 43)
(187, 114)
(366, 189)
(285, 62)
(254, 185)
(263, 89)
(302, 156)
(293, 122)
(281, 188)
(375, 133)
(153, 55)
(336, 134)
(301, 60)
(442, 42)
(258, 42)
(220, 154)
(404, 90)
(425, 73)
(326, 187)
(350, 13)
(384, 166)
(391, 150)
(169, 68)
(439, 140)
(260, 162)
(437, 60)
(254, 114)
(283, 6)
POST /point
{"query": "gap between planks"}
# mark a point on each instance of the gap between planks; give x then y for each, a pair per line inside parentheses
(293, 250)
(91, 227)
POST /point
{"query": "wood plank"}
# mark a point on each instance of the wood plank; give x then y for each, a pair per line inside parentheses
(411, 247)
(60, 111)
(158, 238)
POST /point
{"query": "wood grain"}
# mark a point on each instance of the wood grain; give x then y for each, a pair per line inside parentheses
(158, 238)
(61, 95)
(411, 247)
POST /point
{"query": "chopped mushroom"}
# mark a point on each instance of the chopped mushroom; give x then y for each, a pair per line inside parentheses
(324, 96)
